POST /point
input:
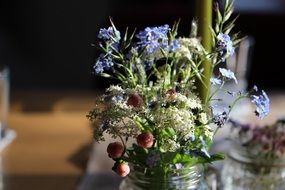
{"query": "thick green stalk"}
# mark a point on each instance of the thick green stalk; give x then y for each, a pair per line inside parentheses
(204, 15)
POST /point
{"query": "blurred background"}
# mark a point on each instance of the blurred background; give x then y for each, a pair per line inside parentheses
(47, 43)
(47, 47)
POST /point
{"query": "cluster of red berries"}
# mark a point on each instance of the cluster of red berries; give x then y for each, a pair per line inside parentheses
(116, 150)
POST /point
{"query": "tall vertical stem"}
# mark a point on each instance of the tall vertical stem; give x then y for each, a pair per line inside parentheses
(204, 15)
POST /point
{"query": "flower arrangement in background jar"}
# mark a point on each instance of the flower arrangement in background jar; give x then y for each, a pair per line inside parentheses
(256, 158)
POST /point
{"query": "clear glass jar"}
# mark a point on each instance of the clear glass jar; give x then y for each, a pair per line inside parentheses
(247, 170)
(190, 178)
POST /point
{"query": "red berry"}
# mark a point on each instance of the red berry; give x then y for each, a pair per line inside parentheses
(134, 100)
(123, 169)
(115, 150)
(145, 140)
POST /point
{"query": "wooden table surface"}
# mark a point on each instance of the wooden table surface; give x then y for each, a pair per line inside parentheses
(52, 143)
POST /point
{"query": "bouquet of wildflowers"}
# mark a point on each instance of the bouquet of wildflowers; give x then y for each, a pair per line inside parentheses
(154, 113)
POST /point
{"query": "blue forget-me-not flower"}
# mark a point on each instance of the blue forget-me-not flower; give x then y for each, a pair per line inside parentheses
(262, 104)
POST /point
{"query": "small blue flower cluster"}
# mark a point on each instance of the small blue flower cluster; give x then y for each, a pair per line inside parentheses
(109, 35)
(103, 63)
(262, 104)
(215, 81)
(228, 74)
(224, 46)
(112, 39)
(153, 38)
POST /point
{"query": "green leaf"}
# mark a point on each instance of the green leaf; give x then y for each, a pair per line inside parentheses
(139, 125)
(126, 35)
(184, 159)
(163, 52)
(230, 24)
(125, 38)
(229, 6)
(129, 41)
(137, 154)
(219, 17)
(106, 75)
(213, 37)
(169, 131)
(217, 156)
(168, 157)
(174, 30)
(228, 15)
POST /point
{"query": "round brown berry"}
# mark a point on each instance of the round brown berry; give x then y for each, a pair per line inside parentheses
(115, 150)
(145, 140)
(123, 169)
(134, 100)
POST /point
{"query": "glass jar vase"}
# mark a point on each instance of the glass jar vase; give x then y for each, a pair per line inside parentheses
(190, 178)
(247, 170)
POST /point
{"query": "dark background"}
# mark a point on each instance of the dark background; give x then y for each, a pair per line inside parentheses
(47, 43)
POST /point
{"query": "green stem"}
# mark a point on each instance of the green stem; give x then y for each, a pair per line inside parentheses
(236, 101)
(204, 14)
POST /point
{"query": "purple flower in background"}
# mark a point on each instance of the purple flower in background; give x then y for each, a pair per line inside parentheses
(215, 81)
(153, 38)
(262, 104)
(109, 34)
(228, 74)
(152, 159)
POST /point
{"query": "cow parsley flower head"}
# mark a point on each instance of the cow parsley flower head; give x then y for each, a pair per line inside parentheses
(188, 47)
